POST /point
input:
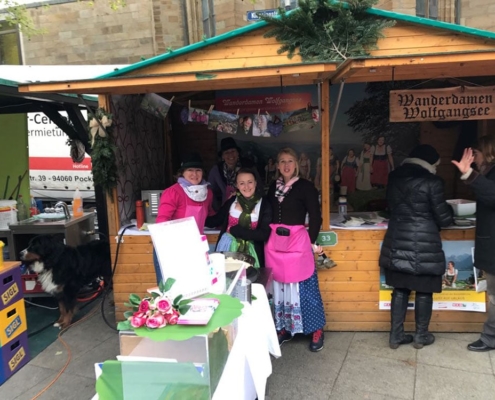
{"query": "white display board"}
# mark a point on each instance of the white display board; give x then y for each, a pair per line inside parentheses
(181, 253)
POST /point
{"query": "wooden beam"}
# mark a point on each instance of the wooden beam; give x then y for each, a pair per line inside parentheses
(112, 201)
(325, 154)
(143, 84)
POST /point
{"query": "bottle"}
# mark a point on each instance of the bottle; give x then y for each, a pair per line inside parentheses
(22, 211)
(342, 205)
(33, 209)
(139, 214)
(77, 204)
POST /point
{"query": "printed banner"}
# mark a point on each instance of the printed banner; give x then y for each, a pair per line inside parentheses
(451, 104)
(50, 164)
(273, 103)
(458, 283)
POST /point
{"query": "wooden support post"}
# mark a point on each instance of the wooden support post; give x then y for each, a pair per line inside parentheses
(325, 154)
(112, 200)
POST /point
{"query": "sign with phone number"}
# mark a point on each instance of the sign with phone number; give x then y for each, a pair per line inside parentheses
(327, 238)
(61, 180)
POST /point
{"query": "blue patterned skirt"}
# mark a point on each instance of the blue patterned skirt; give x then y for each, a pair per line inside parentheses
(298, 306)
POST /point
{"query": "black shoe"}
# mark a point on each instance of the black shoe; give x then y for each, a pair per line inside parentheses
(479, 346)
(406, 339)
(317, 341)
(283, 336)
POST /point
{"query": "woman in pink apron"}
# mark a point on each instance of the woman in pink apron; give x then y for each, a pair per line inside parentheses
(189, 197)
(289, 252)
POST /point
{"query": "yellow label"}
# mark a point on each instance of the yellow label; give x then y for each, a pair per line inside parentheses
(18, 357)
(10, 293)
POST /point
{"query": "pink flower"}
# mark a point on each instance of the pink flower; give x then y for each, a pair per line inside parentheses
(172, 318)
(138, 320)
(156, 321)
(144, 306)
(163, 304)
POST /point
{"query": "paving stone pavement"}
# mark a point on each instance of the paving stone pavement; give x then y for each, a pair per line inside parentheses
(352, 366)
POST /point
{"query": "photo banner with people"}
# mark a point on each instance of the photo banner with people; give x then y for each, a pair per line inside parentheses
(268, 120)
(462, 283)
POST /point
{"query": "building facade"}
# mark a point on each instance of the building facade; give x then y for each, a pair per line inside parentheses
(84, 32)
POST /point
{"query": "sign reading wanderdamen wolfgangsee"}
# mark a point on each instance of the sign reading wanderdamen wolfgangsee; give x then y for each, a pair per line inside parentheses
(451, 104)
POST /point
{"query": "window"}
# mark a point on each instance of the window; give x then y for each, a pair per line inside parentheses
(209, 29)
(427, 8)
(10, 53)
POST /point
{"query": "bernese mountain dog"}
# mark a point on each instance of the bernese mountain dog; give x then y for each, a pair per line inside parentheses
(64, 270)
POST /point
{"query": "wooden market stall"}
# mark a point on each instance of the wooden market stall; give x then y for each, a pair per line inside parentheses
(415, 48)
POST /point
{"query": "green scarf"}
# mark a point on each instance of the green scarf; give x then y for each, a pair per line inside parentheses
(247, 206)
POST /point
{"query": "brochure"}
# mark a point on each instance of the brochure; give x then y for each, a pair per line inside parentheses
(200, 312)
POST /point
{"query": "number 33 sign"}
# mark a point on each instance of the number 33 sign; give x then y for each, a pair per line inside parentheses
(327, 238)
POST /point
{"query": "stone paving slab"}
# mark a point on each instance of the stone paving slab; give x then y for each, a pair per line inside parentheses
(352, 366)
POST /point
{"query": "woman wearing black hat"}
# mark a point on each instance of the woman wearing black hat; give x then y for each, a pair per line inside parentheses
(222, 175)
(189, 197)
(411, 252)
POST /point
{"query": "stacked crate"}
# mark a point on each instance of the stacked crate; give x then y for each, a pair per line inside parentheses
(13, 325)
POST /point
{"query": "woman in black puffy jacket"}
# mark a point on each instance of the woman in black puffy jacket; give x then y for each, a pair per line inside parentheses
(411, 252)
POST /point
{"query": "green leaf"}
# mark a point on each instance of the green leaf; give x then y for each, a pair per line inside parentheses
(161, 286)
(168, 284)
(154, 295)
(254, 297)
(185, 302)
(129, 305)
(184, 309)
(124, 326)
(177, 299)
(128, 314)
(134, 299)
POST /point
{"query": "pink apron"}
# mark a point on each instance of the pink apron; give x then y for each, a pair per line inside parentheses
(290, 257)
(199, 214)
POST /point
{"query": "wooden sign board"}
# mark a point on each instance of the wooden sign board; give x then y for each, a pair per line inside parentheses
(451, 104)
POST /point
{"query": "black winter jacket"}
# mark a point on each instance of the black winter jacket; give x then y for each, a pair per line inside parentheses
(412, 244)
(258, 236)
(484, 245)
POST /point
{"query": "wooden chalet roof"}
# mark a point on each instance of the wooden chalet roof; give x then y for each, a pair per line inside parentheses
(415, 48)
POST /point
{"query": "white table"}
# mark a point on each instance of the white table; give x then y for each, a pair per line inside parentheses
(249, 365)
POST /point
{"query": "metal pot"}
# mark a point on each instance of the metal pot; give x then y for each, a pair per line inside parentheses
(251, 273)
(239, 256)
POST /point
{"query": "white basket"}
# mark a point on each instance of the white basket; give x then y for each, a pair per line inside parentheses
(8, 213)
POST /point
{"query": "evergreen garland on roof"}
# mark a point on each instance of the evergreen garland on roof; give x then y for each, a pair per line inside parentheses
(327, 30)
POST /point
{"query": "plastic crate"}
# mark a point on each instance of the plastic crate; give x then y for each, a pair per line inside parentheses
(30, 284)
(13, 356)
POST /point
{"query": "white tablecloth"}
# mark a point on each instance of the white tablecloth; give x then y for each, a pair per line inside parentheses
(249, 365)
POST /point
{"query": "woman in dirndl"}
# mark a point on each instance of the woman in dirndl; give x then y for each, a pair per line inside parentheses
(382, 163)
(289, 252)
(244, 220)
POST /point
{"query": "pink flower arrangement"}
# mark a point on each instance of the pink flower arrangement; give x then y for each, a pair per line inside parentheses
(156, 311)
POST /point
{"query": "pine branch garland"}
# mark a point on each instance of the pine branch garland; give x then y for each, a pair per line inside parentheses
(104, 166)
(327, 30)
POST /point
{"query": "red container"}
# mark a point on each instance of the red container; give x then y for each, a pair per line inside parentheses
(30, 284)
(14, 355)
(139, 214)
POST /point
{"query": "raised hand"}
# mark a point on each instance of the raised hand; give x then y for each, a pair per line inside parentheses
(465, 163)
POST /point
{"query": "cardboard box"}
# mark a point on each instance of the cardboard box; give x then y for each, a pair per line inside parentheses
(10, 287)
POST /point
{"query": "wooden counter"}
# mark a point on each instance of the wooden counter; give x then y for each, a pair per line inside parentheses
(350, 291)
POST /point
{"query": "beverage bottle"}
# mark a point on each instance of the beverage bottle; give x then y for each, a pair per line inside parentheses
(342, 205)
(33, 209)
(22, 211)
(77, 204)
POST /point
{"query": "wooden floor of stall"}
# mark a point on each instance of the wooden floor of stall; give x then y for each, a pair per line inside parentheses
(350, 291)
